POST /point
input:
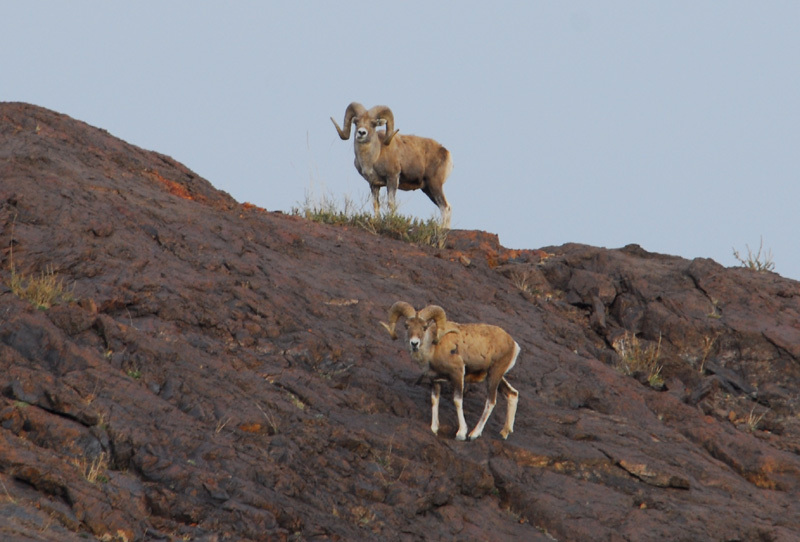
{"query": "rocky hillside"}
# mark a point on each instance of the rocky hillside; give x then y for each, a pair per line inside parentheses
(206, 370)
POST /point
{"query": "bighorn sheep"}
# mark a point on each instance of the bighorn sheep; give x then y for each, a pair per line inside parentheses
(386, 158)
(459, 353)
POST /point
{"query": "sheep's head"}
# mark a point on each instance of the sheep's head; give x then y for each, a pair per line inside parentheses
(431, 318)
(367, 123)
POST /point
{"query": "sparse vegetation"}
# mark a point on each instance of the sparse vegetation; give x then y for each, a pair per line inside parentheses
(754, 420)
(638, 357)
(221, 423)
(708, 345)
(44, 290)
(523, 280)
(714, 312)
(271, 419)
(89, 399)
(296, 401)
(389, 224)
(759, 261)
(95, 470)
(386, 462)
(7, 494)
(363, 516)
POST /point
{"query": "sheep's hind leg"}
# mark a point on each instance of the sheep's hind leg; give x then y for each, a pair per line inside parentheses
(491, 399)
(512, 396)
(445, 210)
(436, 390)
(487, 411)
(391, 194)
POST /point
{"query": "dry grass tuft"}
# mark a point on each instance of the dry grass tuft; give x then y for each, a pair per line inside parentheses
(43, 291)
(638, 357)
(760, 261)
(389, 224)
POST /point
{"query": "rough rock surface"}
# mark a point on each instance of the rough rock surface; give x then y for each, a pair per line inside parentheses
(221, 374)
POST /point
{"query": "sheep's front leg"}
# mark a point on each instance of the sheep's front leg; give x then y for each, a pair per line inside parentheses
(436, 390)
(376, 201)
(458, 399)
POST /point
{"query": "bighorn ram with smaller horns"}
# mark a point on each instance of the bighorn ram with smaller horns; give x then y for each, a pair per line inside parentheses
(459, 353)
(386, 158)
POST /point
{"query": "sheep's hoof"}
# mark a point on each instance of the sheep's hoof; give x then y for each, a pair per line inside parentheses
(505, 434)
(461, 437)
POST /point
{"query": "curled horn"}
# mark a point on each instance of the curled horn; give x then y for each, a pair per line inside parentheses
(400, 308)
(436, 313)
(384, 113)
(353, 110)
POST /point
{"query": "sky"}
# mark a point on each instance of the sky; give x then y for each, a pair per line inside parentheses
(672, 125)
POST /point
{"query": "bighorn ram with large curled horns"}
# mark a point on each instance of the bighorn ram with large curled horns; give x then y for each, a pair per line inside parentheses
(459, 353)
(386, 158)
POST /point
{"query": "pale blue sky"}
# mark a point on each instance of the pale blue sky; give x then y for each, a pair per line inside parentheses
(674, 125)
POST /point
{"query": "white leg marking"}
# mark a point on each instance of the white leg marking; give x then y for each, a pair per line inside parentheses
(514, 359)
(435, 410)
(513, 398)
(462, 423)
(445, 210)
(510, 415)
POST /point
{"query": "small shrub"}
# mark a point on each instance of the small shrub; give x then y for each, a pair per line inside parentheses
(759, 261)
(522, 280)
(636, 357)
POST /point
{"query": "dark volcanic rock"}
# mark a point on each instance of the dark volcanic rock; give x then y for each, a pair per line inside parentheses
(220, 373)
